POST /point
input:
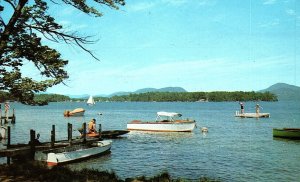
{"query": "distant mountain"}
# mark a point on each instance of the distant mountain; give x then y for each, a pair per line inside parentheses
(79, 96)
(284, 91)
(145, 90)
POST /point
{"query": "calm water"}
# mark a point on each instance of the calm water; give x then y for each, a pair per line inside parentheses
(234, 149)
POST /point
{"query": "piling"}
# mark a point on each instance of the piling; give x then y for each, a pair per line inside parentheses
(52, 136)
(100, 130)
(70, 133)
(8, 136)
(13, 118)
(84, 133)
(8, 143)
(32, 143)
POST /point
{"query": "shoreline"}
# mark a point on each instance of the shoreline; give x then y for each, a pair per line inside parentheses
(34, 171)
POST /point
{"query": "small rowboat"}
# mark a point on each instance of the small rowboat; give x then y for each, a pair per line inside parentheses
(291, 133)
(73, 153)
(75, 112)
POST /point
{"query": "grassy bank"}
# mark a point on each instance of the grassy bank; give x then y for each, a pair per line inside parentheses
(38, 172)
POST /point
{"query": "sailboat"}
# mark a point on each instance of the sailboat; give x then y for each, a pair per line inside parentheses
(90, 101)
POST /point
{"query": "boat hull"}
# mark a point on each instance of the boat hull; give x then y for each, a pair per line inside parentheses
(74, 113)
(162, 127)
(291, 133)
(77, 114)
(73, 153)
(108, 134)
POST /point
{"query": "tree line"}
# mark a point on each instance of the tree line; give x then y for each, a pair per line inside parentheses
(39, 99)
(218, 96)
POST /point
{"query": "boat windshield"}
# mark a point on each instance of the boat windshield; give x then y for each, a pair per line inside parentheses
(169, 116)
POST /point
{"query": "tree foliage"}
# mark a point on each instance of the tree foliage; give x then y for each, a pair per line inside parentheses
(21, 43)
(219, 96)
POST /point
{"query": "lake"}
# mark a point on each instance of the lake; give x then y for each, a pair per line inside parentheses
(234, 149)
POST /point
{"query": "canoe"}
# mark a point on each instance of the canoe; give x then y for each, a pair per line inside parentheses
(291, 133)
(165, 122)
(75, 112)
(108, 133)
(73, 153)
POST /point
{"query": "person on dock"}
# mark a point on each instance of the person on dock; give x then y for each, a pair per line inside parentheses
(242, 107)
(92, 126)
(257, 107)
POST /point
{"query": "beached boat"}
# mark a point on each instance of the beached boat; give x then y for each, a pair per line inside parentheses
(165, 122)
(73, 153)
(291, 133)
(75, 112)
(108, 133)
(90, 101)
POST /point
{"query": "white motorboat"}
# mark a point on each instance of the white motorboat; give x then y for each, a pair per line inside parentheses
(165, 122)
(73, 153)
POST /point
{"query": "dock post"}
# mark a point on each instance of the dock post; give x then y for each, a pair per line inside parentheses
(84, 132)
(13, 119)
(53, 136)
(100, 130)
(8, 143)
(32, 143)
(0, 115)
(70, 133)
(8, 137)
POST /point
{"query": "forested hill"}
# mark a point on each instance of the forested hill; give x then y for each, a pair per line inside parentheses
(192, 97)
(284, 91)
(146, 90)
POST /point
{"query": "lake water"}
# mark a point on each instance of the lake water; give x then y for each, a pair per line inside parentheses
(234, 149)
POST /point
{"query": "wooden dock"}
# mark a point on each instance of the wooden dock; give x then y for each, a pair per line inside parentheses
(26, 151)
(6, 118)
(252, 115)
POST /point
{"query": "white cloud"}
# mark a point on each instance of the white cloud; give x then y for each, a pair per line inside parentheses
(175, 2)
(141, 6)
(272, 23)
(290, 12)
(269, 2)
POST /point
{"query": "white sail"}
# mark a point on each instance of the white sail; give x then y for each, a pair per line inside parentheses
(90, 101)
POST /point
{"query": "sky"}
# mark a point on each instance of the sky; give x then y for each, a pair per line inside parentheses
(200, 45)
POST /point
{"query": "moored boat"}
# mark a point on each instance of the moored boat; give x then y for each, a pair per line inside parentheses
(90, 101)
(165, 122)
(73, 153)
(108, 133)
(75, 112)
(291, 133)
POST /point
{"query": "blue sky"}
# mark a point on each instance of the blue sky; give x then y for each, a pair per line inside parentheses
(201, 45)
